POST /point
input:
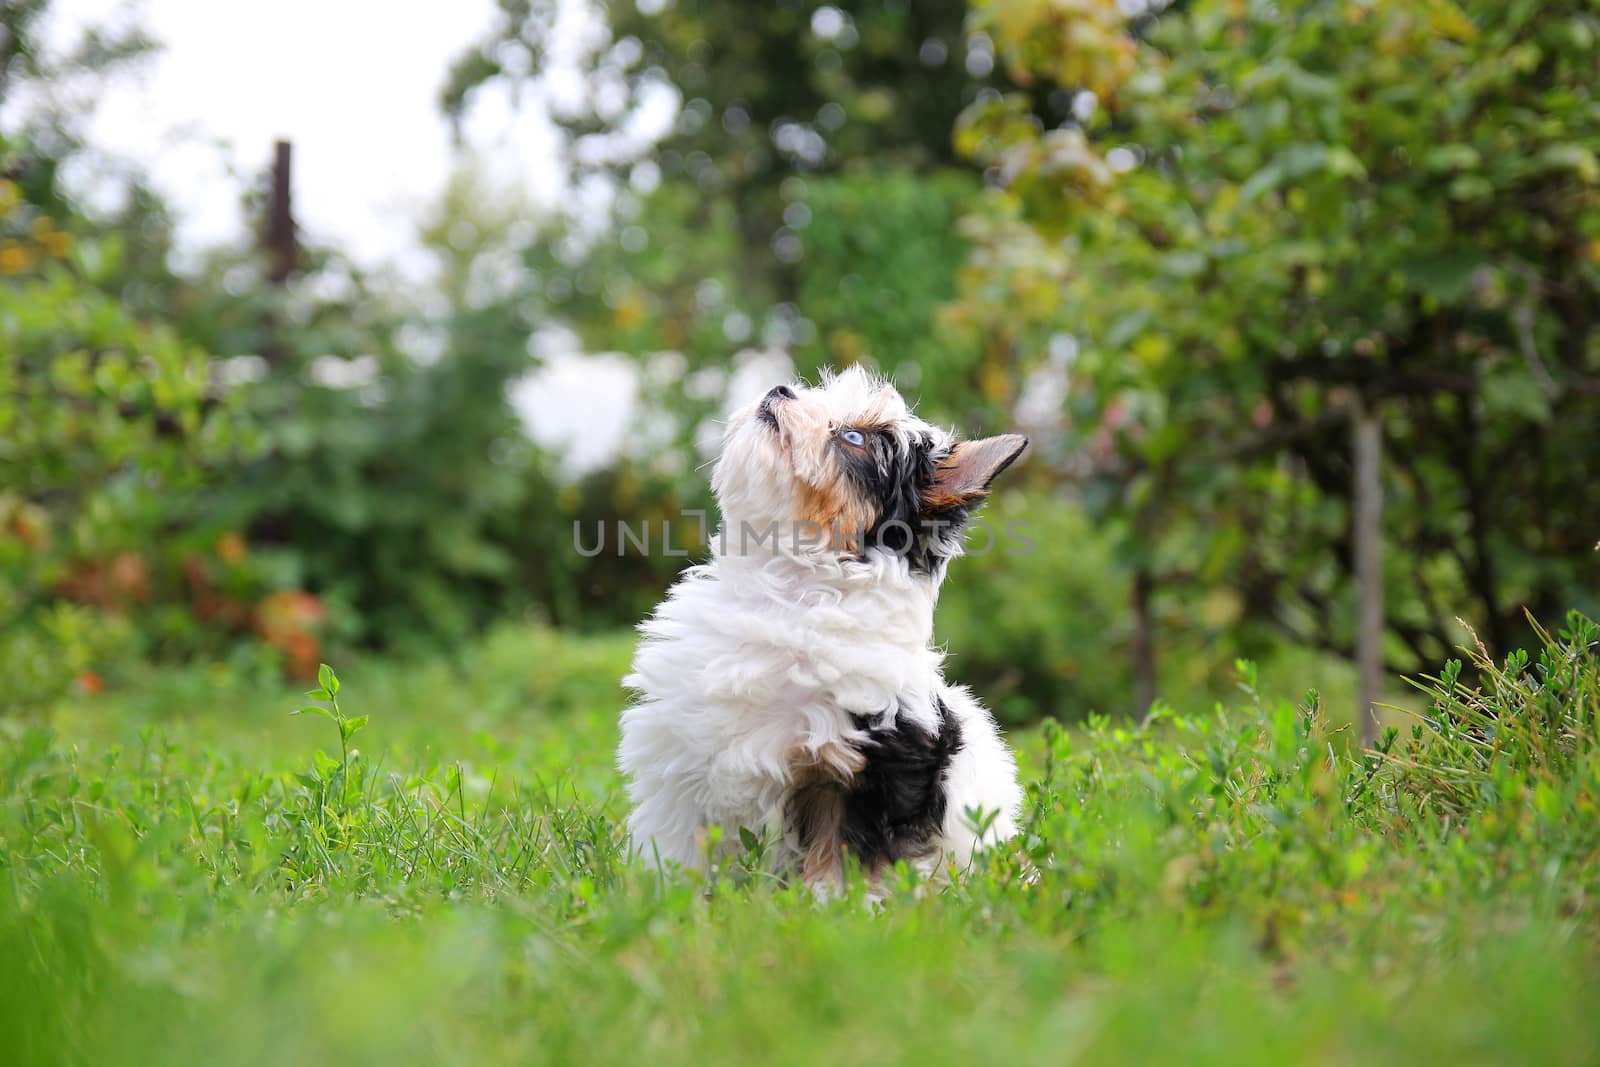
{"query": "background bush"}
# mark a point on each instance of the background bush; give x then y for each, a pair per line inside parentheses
(1175, 245)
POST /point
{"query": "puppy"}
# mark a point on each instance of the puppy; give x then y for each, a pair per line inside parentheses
(790, 684)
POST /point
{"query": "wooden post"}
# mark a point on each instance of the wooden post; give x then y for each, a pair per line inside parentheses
(1366, 447)
(281, 250)
(278, 239)
(1144, 642)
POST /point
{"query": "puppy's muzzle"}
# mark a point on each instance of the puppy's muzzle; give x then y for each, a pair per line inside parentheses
(764, 409)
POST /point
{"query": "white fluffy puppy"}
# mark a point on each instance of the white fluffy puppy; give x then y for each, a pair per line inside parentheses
(790, 684)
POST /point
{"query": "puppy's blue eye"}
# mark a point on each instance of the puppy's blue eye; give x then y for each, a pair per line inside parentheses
(855, 437)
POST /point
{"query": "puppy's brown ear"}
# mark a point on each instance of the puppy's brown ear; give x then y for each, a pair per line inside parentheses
(962, 480)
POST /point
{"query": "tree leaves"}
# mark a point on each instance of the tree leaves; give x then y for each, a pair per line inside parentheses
(1327, 199)
(1297, 161)
(1445, 276)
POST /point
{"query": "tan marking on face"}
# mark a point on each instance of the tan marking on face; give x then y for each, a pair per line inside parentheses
(835, 507)
(834, 514)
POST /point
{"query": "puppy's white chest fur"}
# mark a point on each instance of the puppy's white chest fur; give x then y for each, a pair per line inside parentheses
(748, 663)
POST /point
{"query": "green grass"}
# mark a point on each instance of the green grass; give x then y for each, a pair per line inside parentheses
(190, 875)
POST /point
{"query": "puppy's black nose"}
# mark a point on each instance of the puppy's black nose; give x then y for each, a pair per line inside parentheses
(781, 392)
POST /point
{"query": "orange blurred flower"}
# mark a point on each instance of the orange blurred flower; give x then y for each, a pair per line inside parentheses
(231, 547)
(14, 258)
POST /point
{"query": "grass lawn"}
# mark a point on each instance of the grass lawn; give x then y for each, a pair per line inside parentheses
(189, 875)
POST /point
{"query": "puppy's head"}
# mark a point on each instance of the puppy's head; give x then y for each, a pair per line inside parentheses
(846, 467)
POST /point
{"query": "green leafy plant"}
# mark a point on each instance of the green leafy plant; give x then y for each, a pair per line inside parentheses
(328, 690)
(1521, 734)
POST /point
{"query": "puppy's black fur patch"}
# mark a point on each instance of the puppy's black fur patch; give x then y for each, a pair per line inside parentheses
(895, 806)
(897, 480)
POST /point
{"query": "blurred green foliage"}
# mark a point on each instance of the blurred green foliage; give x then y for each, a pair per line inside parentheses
(106, 434)
(107, 424)
(766, 93)
(1039, 606)
(1177, 242)
(810, 174)
(882, 254)
(1269, 212)
(194, 459)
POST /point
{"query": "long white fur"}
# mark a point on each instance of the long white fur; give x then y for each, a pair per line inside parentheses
(763, 650)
